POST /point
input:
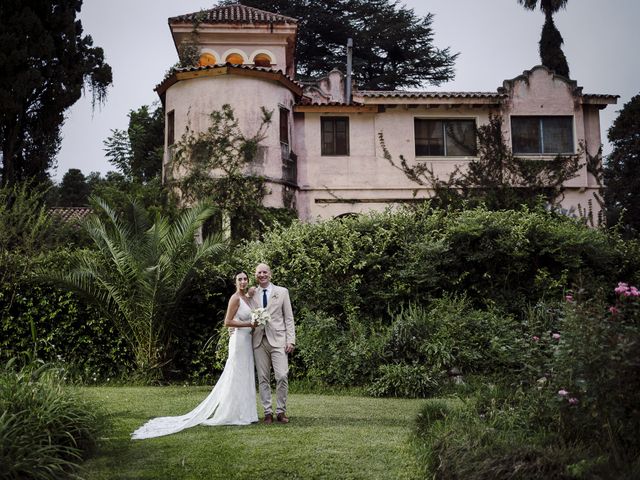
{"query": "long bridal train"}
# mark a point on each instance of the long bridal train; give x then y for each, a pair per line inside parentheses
(232, 400)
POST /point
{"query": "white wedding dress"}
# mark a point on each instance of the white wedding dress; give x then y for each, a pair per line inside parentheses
(233, 398)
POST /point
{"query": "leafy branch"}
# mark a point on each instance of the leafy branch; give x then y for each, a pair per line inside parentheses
(496, 177)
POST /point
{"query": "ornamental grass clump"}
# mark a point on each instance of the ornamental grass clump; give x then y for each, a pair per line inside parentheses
(45, 430)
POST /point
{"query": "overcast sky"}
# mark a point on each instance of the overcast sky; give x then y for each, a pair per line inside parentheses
(497, 40)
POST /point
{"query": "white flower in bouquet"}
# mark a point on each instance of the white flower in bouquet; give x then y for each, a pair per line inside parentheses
(260, 316)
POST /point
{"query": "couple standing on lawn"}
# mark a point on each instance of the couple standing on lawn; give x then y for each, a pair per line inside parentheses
(233, 399)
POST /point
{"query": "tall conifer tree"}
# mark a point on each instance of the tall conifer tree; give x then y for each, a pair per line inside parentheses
(45, 62)
(622, 169)
(393, 48)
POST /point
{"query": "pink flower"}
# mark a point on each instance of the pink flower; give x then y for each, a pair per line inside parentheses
(569, 298)
(535, 338)
(555, 336)
(622, 288)
(562, 392)
(573, 401)
(633, 292)
(613, 310)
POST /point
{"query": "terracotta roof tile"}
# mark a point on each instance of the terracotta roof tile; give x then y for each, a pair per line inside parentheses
(196, 68)
(236, 13)
(70, 214)
(406, 94)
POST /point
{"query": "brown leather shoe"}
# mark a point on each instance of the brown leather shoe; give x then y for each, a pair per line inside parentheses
(282, 418)
(268, 419)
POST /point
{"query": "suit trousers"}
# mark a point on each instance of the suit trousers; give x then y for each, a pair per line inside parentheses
(267, 356)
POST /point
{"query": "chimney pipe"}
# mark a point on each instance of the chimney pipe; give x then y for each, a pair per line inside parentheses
(349, 68)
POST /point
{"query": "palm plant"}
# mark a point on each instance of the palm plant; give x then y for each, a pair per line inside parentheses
(139, 273)
(551, 41)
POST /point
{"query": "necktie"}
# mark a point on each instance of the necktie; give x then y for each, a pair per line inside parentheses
(264, 297)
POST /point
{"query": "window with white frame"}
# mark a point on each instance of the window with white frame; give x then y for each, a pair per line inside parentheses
(531, 135)
(445, 137)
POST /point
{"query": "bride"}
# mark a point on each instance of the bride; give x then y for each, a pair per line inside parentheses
(233, 399)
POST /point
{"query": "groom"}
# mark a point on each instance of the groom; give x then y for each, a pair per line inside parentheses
(272, 343)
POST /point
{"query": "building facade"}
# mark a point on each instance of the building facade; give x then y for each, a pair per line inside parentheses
(322, 154)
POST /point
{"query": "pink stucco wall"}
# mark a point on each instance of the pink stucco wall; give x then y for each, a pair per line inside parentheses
(194, 99)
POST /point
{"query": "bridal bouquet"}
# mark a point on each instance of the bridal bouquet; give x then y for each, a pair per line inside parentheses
(260, 316)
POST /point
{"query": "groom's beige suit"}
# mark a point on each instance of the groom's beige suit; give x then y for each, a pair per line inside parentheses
(269, 342)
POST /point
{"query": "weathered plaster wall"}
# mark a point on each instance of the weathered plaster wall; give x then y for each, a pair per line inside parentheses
(193, 100)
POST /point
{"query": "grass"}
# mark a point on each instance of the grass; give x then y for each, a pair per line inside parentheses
(330, 436)
(45, 430)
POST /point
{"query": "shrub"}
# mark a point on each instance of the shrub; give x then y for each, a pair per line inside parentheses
(45, 430)
(491, 436)
(450, 333)
(403, 380)
(597, 373)
(337, 353)
(54, 325)
(356, 267)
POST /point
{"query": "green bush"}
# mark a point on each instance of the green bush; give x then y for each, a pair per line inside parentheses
(54, 325)
(338, 353)
(450, 333)
(360, 267)
(45, 430)
(491, 435)
(596, 372)
(403, 380)
(202, 312)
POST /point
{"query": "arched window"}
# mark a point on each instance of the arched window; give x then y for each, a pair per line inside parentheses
(206, 59)
(234, 58)
(262, 60)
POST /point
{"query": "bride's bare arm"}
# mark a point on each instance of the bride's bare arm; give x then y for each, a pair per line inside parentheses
(232, 309)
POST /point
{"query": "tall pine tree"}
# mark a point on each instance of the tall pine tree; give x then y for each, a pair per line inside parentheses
(45, 61)
(393, 48)
(622, 169)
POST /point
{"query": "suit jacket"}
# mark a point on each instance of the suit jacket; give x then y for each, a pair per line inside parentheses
(280, 330)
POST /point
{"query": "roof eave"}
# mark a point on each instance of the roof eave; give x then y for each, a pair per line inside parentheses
(227, 69)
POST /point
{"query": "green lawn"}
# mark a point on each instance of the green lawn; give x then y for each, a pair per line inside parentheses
(329, 436)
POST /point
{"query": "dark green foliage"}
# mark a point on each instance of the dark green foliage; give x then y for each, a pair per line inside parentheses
(200, 343)
(392, 46)
(361, 267)
(597, 363)
(496, 178)
(137, 152)
(551, 53)
(27, 227)
(622, 169)
(402, 380)
(237, 197)
(24, 223)
(489, 439)
(45, 62)
(331, 352)
(574, 413)
(119, 192)
(74, 190)
(138, 274)
(54, 325)
(45, 430)
(551, 41)
(413, 353)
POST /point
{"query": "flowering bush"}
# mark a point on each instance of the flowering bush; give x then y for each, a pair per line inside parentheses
(596, 371)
